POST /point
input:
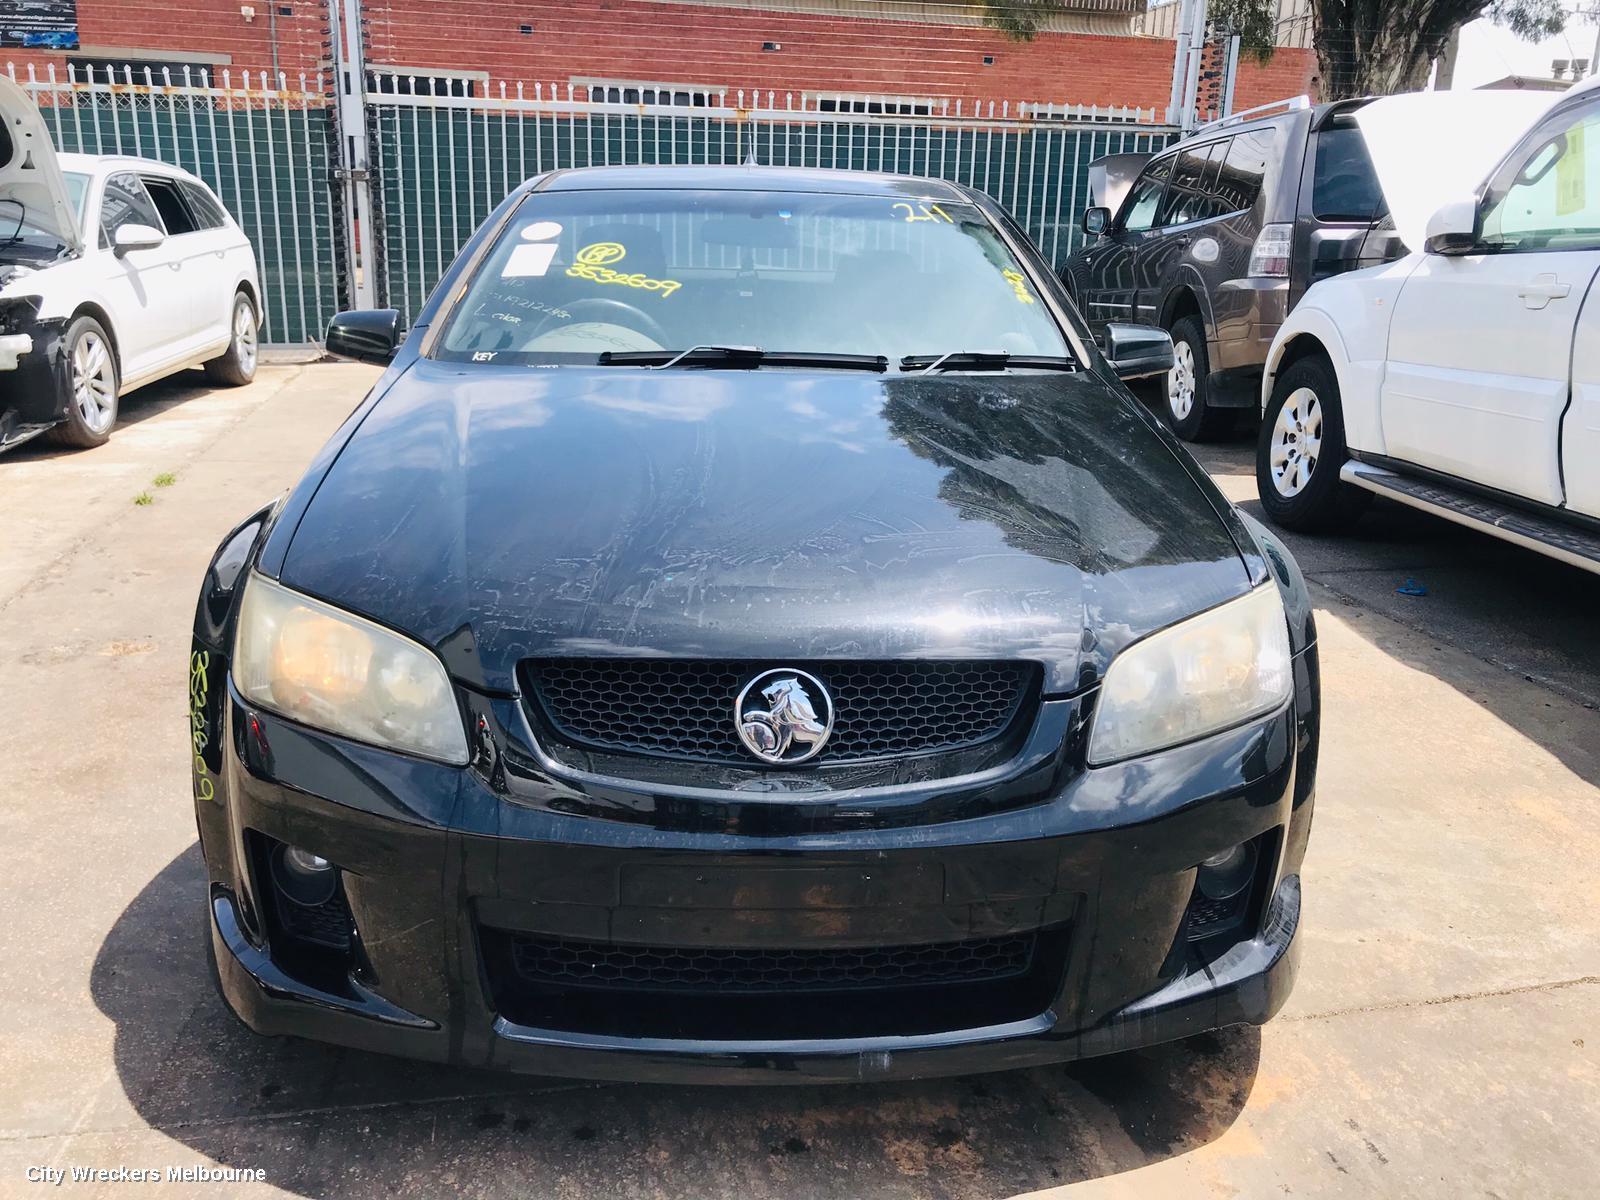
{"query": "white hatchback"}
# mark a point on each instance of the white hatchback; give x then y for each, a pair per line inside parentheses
(114, 272)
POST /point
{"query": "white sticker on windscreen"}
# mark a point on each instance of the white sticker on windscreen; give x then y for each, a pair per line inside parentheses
(535, 253)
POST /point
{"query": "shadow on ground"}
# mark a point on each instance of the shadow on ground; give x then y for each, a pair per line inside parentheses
(136, 406)
(321, 1121)
(1518, 610)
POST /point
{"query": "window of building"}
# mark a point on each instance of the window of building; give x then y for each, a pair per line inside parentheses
(634, 91)
(141, 71)
(1078, 112)
(403, 81)
(894, 106)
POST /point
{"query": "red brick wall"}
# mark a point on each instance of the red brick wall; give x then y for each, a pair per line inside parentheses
(634, 39)
(1290, 73)
(197, 26)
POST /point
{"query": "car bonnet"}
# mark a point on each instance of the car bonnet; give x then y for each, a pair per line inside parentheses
(505, 513)
(1429, 148)
(29, 171)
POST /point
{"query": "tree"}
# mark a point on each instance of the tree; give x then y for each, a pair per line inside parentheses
(1253, 20)
(1364, 47)
(1377, 47)
(1019, 19)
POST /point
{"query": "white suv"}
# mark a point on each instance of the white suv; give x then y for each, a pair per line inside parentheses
(113, 272)
(1463, 379)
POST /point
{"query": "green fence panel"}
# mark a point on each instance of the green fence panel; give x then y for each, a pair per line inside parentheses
(265, 154)
(440, 165)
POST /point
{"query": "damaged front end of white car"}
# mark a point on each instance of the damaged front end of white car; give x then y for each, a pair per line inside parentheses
(38, 230)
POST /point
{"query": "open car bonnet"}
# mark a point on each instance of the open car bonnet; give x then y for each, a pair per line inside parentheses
(30, 175)
(1432, 147)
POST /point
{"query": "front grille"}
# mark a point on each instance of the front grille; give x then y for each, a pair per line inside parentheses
(683, 708)
(327, 924)
(623, 990)
(1208, 917)
(557, 960)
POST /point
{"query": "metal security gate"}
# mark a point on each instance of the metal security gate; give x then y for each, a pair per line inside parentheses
(434, 166)
(262, 145)
(439, 164)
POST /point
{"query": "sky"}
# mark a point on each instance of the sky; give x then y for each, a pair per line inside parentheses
(1489, 52)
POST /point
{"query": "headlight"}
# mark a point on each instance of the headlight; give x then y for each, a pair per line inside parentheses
(309, 661)
(1201, 676)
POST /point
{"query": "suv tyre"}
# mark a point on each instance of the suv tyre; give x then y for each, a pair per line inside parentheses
(1187, 411)
(1301, 451)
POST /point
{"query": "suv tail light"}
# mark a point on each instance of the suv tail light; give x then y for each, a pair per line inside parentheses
(1270, 255)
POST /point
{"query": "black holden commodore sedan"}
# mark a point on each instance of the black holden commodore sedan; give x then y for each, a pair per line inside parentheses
(750, 632)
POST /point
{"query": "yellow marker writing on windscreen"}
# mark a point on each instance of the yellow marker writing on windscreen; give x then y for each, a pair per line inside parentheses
(1019, 285)
(591, 262)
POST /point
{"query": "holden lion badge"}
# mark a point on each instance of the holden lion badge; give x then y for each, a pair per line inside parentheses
(784, 716)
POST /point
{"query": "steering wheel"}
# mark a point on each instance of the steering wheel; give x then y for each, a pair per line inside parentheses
(600, 309)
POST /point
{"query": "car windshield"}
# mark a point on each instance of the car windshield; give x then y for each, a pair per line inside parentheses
(575, 275)
(77, 189)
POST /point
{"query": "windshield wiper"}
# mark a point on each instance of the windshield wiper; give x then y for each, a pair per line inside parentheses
(986, 360)
(746, 357)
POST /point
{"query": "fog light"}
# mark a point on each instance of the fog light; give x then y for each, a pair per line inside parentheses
(1227, 874)
(307, 879)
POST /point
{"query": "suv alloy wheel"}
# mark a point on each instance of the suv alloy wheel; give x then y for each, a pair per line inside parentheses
(1187, 410)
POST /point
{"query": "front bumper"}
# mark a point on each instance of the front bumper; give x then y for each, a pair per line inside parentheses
(32, 395)
(1249, 986)
(437, 861)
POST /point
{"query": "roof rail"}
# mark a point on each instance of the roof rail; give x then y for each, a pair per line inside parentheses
(1292, 104)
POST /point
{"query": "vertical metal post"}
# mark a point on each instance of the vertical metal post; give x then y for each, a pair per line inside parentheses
(1197, 44)
(350, 91)
(1230, 76)
(1180, 61)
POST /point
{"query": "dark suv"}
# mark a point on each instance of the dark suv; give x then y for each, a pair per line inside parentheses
(1221, 234)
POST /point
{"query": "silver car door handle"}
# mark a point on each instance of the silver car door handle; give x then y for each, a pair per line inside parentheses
(1542, 289)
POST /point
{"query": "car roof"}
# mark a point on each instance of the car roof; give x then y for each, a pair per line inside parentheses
(87, 164)
(1224, 129)
(749, 178)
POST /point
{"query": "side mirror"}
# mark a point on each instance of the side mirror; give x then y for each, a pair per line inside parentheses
(1453, 228)
(136, 237)
(1096, 220)
(369, 335)
(1137, 351)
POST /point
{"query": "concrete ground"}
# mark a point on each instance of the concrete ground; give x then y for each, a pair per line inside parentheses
(1443, 1041)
